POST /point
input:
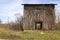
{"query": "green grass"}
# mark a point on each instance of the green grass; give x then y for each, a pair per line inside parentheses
(29, 35)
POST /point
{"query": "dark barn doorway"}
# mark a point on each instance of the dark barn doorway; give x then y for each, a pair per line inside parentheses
(38, 25)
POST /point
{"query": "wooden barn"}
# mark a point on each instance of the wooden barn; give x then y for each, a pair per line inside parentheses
(39, 16)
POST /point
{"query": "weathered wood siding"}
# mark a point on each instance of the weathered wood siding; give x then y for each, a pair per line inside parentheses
(42, 13)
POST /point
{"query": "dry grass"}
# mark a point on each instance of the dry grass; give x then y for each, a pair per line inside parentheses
(6, 34)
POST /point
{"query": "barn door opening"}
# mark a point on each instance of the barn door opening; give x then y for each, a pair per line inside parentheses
(38, 25)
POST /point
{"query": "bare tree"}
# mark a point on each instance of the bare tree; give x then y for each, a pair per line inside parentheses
(19, 21)
(0, 21)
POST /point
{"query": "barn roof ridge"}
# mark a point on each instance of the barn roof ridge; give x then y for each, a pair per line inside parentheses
(40, 4)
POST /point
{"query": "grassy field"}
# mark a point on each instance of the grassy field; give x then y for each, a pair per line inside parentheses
(6, 34)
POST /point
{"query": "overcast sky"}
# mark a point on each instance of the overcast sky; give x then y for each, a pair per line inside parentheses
(8, 8)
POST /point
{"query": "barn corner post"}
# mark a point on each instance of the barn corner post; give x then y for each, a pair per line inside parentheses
(39, 16)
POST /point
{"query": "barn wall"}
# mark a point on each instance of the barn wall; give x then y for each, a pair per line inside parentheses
(33, 14)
